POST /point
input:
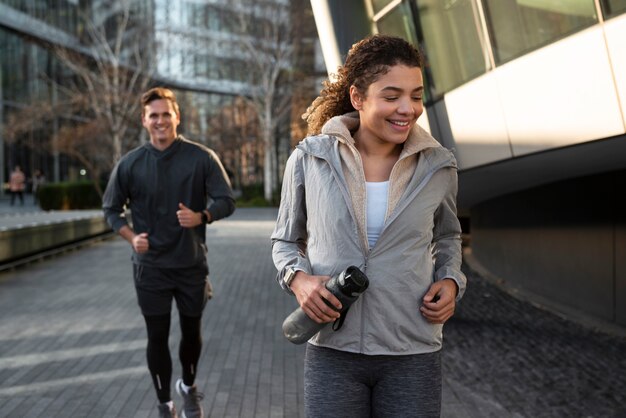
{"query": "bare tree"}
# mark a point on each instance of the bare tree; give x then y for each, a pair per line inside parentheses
(267, 38)
(98, 94)
(262, 38)
(234, 130)
(90, 152)
(118, 67)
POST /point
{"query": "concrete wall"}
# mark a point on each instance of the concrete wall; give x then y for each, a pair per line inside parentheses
(563, 242)
(28, 240)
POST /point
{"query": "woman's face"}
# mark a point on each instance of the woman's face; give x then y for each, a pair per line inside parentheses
(391, 106)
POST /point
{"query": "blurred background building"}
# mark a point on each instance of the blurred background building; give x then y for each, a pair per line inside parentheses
(531, 97)
(71, 72)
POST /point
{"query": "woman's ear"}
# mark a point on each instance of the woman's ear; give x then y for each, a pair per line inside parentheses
(355, 98)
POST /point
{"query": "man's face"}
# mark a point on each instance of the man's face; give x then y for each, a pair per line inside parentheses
(160, 120)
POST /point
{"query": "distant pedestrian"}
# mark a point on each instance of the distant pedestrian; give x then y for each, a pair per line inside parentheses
(371, 188)
(17, 181)
(168, 184)
(37, 180)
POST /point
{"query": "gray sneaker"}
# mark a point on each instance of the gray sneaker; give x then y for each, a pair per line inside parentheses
(191, 406)
(166, 412)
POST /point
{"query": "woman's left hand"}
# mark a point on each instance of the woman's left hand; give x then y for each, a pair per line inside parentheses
(439, 302)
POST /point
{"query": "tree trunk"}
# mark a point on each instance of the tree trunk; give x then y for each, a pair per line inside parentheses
(117, 148)
(268, 170)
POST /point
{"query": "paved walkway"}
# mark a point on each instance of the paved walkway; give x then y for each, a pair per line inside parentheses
(30, 214)
(72, 342)
(7, 209)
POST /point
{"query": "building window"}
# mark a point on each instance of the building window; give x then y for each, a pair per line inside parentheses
(519, 26)
(378, 5)
(452, 43)
(398, 22)
(612, 8)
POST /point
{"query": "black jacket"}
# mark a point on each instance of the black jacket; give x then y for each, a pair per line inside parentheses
(152, 183)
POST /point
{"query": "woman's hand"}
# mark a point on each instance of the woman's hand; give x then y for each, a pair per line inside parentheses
(439, 302)
(310, 292)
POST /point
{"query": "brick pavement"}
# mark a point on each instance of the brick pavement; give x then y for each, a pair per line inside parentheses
(72, 342)
(528, 362)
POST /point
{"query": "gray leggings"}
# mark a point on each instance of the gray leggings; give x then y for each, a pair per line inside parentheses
(341, 384)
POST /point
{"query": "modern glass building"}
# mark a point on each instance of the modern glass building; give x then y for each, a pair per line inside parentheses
(531, 97)
(205, 49)
(198, 53)
(22, 62)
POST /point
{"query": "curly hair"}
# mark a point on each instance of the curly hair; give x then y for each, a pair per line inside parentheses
(366, 62)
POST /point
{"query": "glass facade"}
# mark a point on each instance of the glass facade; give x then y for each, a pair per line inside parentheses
(398, 22)
(612, 8)
(23, 65)
(462, 39)
(378, 5)
(62, 14)
(452, 43)
(197, 52)
(196, 40)
(519, 26)
(206, 43)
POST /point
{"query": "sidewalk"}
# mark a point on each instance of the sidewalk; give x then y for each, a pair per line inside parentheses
(28, 207)
(72, 342)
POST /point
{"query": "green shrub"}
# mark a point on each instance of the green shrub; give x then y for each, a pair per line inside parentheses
(252, 191)
(254, 196)
(52, 196)
(257, 201)
(69, 195)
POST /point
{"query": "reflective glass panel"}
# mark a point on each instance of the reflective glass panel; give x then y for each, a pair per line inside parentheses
(520, 26)
(452, 43)
(613, 8)
(398, 22)
(378, 5)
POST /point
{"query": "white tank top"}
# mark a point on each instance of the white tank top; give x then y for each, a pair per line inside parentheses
(376, 209)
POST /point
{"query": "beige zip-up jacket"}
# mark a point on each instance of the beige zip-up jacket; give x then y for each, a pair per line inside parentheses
(321, 229)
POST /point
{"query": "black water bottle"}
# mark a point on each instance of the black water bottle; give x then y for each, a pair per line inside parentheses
(347, 286)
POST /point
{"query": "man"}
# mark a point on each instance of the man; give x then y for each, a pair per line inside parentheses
(167, 184)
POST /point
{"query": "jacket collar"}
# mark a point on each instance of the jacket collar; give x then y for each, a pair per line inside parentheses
(339, 129)
(343, 126)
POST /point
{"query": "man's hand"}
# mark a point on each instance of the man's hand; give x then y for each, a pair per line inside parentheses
(188, 218)
(140, 243)
(309, 291)
(439, 302)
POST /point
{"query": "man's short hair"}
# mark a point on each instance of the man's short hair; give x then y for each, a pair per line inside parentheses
(159, 93)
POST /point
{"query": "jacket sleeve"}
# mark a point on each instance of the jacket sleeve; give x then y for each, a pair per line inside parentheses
(115, 198)
(218, 189)
(447, 251)
(289, 239)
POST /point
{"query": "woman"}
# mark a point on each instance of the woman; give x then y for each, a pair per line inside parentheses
(371, 188)
(17, 181)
